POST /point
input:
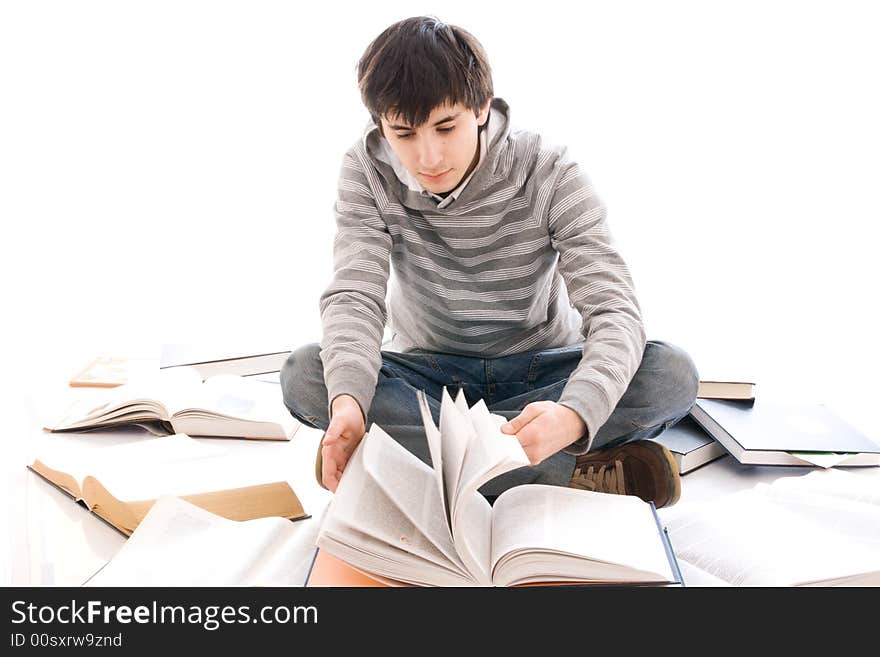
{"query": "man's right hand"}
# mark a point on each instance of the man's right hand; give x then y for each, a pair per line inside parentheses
(342, 436)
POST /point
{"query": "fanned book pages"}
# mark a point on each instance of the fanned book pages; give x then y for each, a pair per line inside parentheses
(821, 529)
(178, 401)
(401, 521)
(120, 483)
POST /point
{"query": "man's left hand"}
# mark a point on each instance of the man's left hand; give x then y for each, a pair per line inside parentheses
(545, 427)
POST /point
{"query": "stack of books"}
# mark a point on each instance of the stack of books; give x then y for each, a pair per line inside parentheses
(690, 444)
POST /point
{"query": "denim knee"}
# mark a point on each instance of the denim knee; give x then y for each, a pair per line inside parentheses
(302, 385)
(680, 376)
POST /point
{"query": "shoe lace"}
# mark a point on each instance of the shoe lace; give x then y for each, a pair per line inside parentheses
(603, 480)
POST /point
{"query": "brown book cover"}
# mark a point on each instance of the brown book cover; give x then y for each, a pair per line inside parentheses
(245, 499)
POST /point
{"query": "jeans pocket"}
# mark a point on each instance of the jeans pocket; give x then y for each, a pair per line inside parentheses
(553, 364)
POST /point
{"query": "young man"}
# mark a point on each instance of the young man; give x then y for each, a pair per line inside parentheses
(502, 280)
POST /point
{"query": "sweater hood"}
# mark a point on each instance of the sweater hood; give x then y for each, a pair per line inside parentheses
(493, 168)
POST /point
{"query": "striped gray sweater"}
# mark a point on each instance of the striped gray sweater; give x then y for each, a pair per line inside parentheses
(521, 260)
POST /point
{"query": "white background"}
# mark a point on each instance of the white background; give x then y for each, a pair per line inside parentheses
(168, 171)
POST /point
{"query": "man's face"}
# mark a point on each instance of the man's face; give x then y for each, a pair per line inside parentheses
(441, 151)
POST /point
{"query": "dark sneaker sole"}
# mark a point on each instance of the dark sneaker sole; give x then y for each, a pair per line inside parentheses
(673, 472)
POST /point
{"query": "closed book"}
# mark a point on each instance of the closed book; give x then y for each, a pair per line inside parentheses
(726, 390)
(690, 445)
(210, 360)
(763, 433)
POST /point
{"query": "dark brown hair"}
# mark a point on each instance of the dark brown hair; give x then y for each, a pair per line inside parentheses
(420, 63)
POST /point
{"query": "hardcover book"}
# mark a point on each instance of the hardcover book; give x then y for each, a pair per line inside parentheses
(120, 483)
(744, 390)
(690, 445)
(210, 360)
(762, 433)
(178, 401)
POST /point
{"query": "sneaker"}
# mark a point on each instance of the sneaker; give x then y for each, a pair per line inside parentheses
(642, 468)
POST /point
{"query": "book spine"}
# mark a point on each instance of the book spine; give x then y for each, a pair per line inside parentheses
(709, 425)
(667, 545)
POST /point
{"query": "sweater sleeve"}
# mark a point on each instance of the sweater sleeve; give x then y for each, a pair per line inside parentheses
(353, 310)
(601, 289)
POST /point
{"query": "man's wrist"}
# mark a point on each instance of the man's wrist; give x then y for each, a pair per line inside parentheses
(344, 400)
(579, 429)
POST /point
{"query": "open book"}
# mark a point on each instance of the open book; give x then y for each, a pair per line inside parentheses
(821, 529)
(178, 401)
(402, 522)
(120, 483)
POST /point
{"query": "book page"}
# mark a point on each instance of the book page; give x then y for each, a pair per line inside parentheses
(170, 465)
(146, 397)
(842, 502)
(836, 483)
(432, 435)
(750, 539)
(233, 406)
(456, 431)
(614, 536)
(697, 577)
(470, 515)
(409, 484)
(80, 462)
(362, 504)
(233, 396)
(383, 561)
(179, 544)
(492, 452)
(364, 527)
(488, 453)
(468, 450)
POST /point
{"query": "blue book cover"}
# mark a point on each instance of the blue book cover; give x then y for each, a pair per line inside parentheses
(690, 444)
(768, 428)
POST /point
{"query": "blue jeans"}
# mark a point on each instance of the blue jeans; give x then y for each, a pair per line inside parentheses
(662, 392)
